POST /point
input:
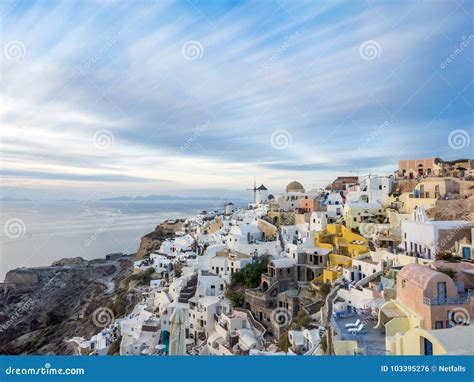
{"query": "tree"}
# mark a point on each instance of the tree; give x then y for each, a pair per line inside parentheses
(324, 290)
(301, 321)
(52, 318)
(236, 297)
(250, 275)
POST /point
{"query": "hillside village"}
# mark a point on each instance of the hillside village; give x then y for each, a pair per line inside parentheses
(368, 265)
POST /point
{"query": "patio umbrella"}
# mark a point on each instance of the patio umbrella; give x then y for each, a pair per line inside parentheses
(178, 336)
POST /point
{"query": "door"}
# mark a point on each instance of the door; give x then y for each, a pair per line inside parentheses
(441, 292)
(427, 347)
(466, 253)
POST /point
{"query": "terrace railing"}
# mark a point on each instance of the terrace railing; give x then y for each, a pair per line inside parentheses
(446, 301)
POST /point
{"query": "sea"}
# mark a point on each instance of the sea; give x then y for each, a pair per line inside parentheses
(38, 233)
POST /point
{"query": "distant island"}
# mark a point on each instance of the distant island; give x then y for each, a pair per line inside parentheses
(160, 197)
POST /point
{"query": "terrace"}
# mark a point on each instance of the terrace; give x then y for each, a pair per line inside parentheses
(371, 340)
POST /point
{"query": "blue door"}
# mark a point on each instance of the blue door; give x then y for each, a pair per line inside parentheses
(466, 253)
(441, 293)
(428, 347)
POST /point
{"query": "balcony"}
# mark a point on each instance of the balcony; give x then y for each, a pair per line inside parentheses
(435, 301)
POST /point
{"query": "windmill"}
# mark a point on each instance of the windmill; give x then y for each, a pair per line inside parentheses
(254, 189)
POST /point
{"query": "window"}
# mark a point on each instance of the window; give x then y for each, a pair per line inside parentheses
(438, 325)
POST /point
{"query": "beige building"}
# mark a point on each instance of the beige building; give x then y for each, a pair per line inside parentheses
(411, 168)
(435, 188)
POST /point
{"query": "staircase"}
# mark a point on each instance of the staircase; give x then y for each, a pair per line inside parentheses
(188, 291)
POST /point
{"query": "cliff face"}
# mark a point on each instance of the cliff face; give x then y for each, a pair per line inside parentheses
(41, 308)
(152, 241)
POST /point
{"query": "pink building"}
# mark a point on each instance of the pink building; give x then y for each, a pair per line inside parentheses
(433, 296)
(411, 168)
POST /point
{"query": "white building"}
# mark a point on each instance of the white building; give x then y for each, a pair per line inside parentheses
(261, 195)
(426, 238)
(318, 221)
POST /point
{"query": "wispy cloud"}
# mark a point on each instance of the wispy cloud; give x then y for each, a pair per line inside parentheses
(119, 67)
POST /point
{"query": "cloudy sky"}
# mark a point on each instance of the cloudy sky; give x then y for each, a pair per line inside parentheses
(107, 98)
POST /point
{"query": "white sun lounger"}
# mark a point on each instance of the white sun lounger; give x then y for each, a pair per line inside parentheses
(353, 324)
(357, 330)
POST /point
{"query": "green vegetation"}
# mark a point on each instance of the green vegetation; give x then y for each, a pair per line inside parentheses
(114, 348)
(449, 257)
(324, 343)
(144, 277)
(450, 272)
(283, 342)
(324, 290)
(246, 278)
(301, 321)
(250, 275)
(236, 297)
(52, 318)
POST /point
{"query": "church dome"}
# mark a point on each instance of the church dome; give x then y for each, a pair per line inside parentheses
(294, 187)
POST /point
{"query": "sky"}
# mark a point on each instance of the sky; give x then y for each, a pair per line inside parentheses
(108, 98)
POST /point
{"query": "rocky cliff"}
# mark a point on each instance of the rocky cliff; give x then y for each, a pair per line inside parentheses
(40, 308)
(152, 241)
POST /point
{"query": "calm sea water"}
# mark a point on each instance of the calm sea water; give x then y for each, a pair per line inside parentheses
(35, 234)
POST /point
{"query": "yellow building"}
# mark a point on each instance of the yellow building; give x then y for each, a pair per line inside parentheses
(458, 340)
(341, 240)
(344, 245)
